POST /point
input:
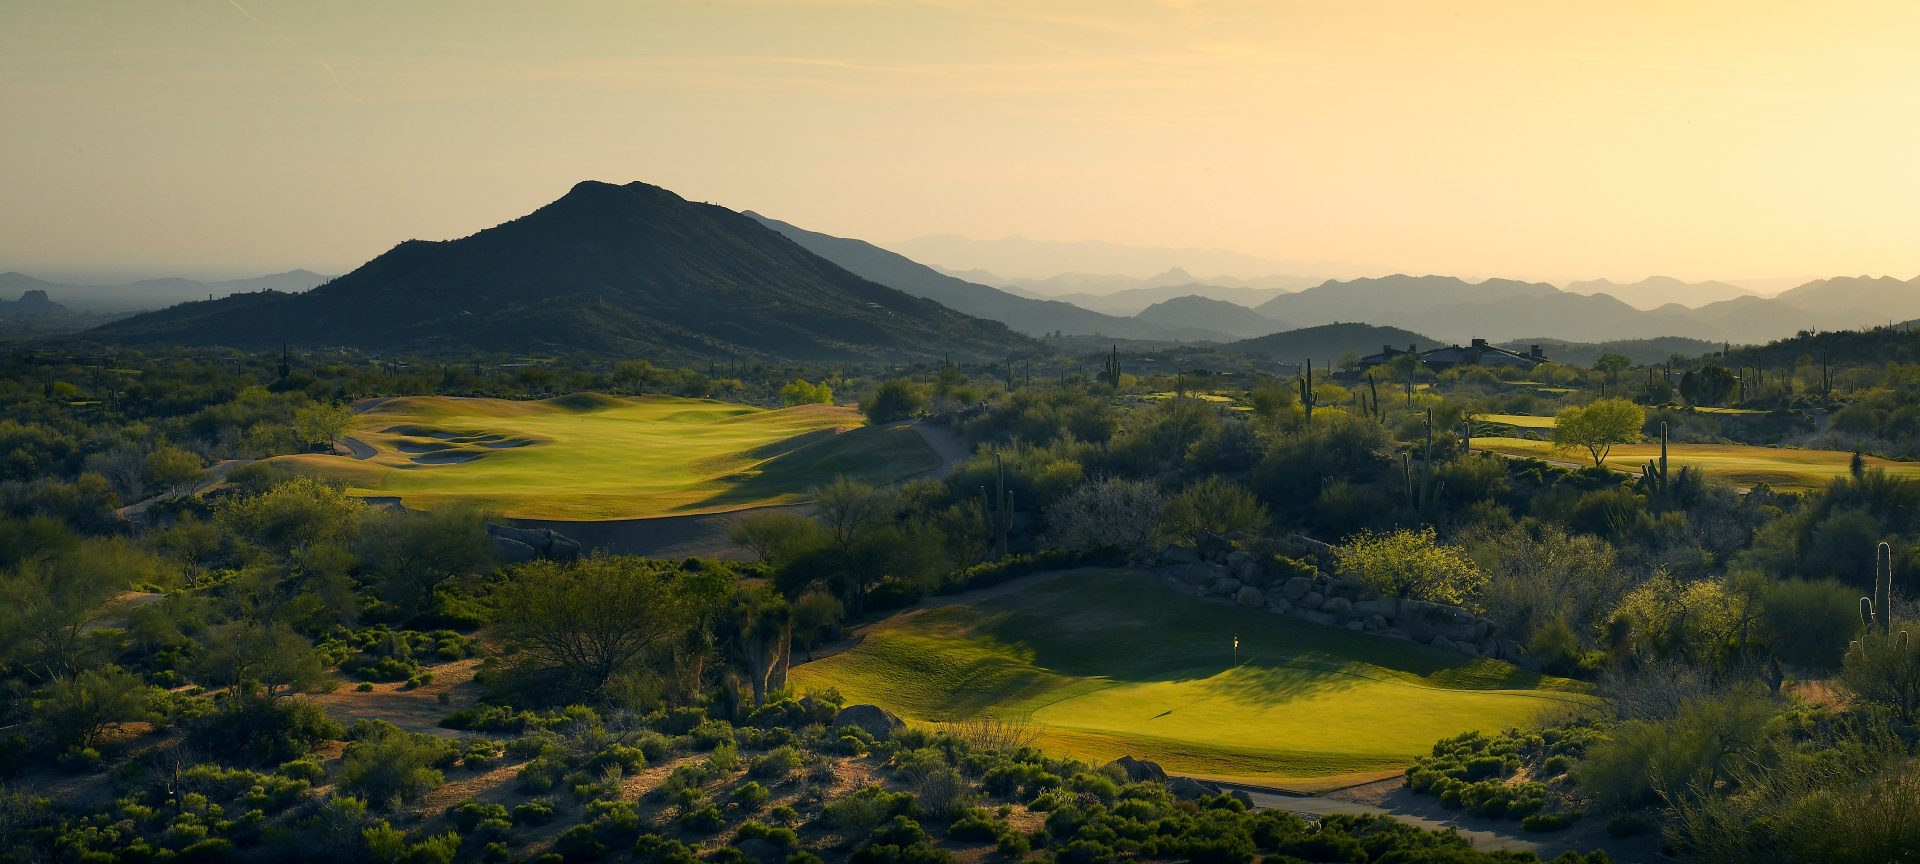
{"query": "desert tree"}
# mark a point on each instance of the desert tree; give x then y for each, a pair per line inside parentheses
(580, 625)
(1597, 427)
(322, 422)
(412, 554)
(1107, 513)
(776, 536)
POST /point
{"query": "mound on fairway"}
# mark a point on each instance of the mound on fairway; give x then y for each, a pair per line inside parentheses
(1107, 663)
(1782, 468)
(589, 457)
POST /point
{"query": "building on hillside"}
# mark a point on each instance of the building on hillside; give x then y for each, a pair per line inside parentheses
(1386, 355)
(1480, 354)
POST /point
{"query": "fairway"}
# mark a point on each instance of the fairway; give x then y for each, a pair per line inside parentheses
(590, 457)
(1519, 421)
(1781, 468)
(1108, 663)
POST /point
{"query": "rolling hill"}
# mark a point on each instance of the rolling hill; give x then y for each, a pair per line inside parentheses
(1330, 342)
(1031, 316)
(630, 270)
(1207, 313)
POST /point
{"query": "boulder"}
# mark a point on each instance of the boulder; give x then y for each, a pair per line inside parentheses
(1279, 604)
(1385, 608)
(1199, 574)
(563, 549)
(1511, 650)
(1375, 622)
(1251, 598)
(1337, 606)
(871, 719)
(1227, 587)
(1241, 796)
(1179, 555)
(1444, 644)
(511, 551)
(1296, 588)
(1236, 559)
(1251, 571)
(1187, 788)
(1139, 770)
(1210, 546)
(1312, 600)
(1356, 625)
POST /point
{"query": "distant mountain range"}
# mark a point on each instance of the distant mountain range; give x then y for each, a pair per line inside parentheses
(1022, 258)
(149, 294)
(1654, 292)
(1032, 316)
(630, 270)
(1505, 309)
(1123, 295)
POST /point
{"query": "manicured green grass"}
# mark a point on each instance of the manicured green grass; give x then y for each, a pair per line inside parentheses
(594, 457)
(1108, 663)
(1519, 421)
(1781, 468)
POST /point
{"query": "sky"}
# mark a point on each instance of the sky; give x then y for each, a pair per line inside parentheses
(1546, 140)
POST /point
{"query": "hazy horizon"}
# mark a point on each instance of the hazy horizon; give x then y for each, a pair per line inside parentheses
(1544, 142)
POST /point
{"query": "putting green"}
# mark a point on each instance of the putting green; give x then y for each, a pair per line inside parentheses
(594, 457)
(1108, 663)
(1783, 468)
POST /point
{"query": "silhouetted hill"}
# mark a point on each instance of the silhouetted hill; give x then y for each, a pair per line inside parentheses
(1033, 317)
(1874, 346)
(1640, 351)
(1206, 313)
(630, 270)
(1330, 342)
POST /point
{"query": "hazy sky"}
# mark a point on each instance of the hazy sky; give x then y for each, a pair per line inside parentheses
(1536, 139)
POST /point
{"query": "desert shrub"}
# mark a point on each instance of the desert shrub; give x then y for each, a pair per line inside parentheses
(534, 812)
(749, 796)
(1411, 564)
(778, 836)
(976, 823)
(385, 764)
(776, 764)
(703, 820)
(1885, 670)
(867, 808)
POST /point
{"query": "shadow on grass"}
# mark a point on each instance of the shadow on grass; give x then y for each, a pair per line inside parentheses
(871, 454)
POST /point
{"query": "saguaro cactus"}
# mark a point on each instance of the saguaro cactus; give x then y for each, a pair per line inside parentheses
(1656, 470)
(1307, 399)
(1877, 611)
(1112, 372)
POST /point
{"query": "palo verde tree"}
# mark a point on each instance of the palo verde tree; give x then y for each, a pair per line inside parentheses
(1597, 427)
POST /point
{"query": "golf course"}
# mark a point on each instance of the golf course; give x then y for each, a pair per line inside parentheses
(588, 456)
(1783, 468)
(1104, 663)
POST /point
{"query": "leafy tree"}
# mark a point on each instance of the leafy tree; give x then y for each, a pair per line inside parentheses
(584, 623)
(173, 469)
(1538, 573)
(1885, 669)
(1411, 564)
(322, 422)
(1214, 506)
(1611, 365)
(267, 660)
(49, 604)
(412, 554)
(305, 525)
(76, 709)
(1107, 513)
(896, 399)
(1709, 385)
(775, 536)
(816, 615)
(1598, 426)
(802, 392)
(1698, 620)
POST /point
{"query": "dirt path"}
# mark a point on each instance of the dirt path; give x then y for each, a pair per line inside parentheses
(1391, 798)
(357, 448)
(215, 475)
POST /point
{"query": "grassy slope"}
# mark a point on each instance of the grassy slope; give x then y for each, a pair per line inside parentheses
(1109, 663)
(1745, 464)
(593, 457)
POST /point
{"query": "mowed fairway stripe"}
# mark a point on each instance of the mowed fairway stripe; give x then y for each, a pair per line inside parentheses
(1783, 468)
(590, 457)
(1105, 663)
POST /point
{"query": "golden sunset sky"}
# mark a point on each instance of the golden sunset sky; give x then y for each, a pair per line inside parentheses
(1550, 140)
